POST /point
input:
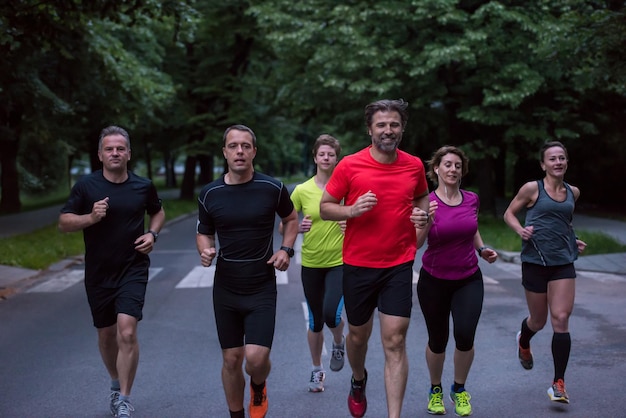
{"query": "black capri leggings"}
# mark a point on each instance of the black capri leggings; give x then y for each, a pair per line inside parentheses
(323, 289)
(438, 298)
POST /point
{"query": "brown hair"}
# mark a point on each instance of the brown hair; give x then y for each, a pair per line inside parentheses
(550, 144)
(438, 156)
(399, 106)
(329, 140)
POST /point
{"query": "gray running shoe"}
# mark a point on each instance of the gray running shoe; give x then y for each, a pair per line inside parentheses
(338, 355)
(113, 398)
(317, 381)
(123, 409)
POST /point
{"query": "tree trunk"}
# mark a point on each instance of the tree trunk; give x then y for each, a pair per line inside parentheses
(206, 169)
(9, 182)
(486, 186)
(147, 150)
(10, 124)
(170, 175)
(187, 189)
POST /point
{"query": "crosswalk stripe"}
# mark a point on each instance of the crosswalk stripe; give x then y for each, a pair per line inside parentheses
(59, 282)
(489, 280)
(67, 278)
(153, 271)
(486, 279)
(198, 277)
(203, 277)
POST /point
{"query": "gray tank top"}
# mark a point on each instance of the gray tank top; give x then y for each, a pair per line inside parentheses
(553, 242)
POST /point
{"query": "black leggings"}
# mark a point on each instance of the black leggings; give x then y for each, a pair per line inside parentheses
(323, 289)
(438, 298)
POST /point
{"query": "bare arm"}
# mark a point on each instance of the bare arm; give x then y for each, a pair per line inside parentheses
(527, 194)
(332, 210)
(416, 217)
(488, 254)
(303, 227)
(145, 243)
(157, 220)
(421, 214)
(71, 222)
(280, 259)
(206, 248)
(579, 243)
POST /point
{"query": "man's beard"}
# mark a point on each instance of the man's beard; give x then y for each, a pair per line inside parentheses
(387, 147)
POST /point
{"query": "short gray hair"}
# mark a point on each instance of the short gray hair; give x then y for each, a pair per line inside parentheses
(113, 130)
(243, 128)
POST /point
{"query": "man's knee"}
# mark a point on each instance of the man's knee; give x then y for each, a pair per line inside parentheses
(394, 342)
(232, 358)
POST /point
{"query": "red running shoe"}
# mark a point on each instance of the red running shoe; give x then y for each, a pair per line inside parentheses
(357, 402)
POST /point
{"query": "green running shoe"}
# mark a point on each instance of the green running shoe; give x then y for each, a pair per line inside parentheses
(435, 402)
(461, 400)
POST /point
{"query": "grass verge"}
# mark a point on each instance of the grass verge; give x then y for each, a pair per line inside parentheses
(46, 246)
(39, 249)
(497, 234)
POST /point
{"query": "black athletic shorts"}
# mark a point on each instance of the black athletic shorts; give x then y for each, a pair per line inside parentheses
(388, 289)
(535, 277)
(245, 318)
(106, 303)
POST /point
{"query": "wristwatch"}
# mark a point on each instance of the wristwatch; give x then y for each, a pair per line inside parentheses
(290, 252)
(154, 234)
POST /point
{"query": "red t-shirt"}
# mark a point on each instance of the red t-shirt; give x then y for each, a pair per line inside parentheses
(385, 236)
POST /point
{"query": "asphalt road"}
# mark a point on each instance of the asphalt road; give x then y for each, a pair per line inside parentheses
(51, 367)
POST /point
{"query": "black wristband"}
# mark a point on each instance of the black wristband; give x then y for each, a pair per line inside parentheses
(290, 252)
(154, 234)
(480, 250)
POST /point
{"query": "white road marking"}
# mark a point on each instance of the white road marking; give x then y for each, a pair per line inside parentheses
(203, 277)
(59, 282)
(486, 279)
(602, 277)
(65, 279)
(489, 280)
(198, 277)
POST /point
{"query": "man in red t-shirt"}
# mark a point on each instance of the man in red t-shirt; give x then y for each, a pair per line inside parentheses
(385, 196)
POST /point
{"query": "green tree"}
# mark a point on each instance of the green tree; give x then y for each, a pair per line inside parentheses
(478, 74)
(70, 68)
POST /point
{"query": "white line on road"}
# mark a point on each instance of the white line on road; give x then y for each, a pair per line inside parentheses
(486, 279)
(203, 277)
(59, 282)
(67, 278)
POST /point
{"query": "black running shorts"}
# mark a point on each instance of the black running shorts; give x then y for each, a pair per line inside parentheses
(535, 277)
(245, 318)
(106, 303)
(388, 289)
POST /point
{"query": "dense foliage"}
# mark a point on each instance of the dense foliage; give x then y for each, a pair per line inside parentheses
(497, 78)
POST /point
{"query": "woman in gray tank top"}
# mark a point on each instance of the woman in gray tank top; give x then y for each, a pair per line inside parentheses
(549, 248)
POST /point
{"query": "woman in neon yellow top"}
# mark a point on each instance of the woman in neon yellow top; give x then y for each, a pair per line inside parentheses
(322, 262)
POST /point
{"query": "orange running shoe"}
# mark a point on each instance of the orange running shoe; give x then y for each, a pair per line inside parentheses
(524, 355)
(557, 392)
(258, 402)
